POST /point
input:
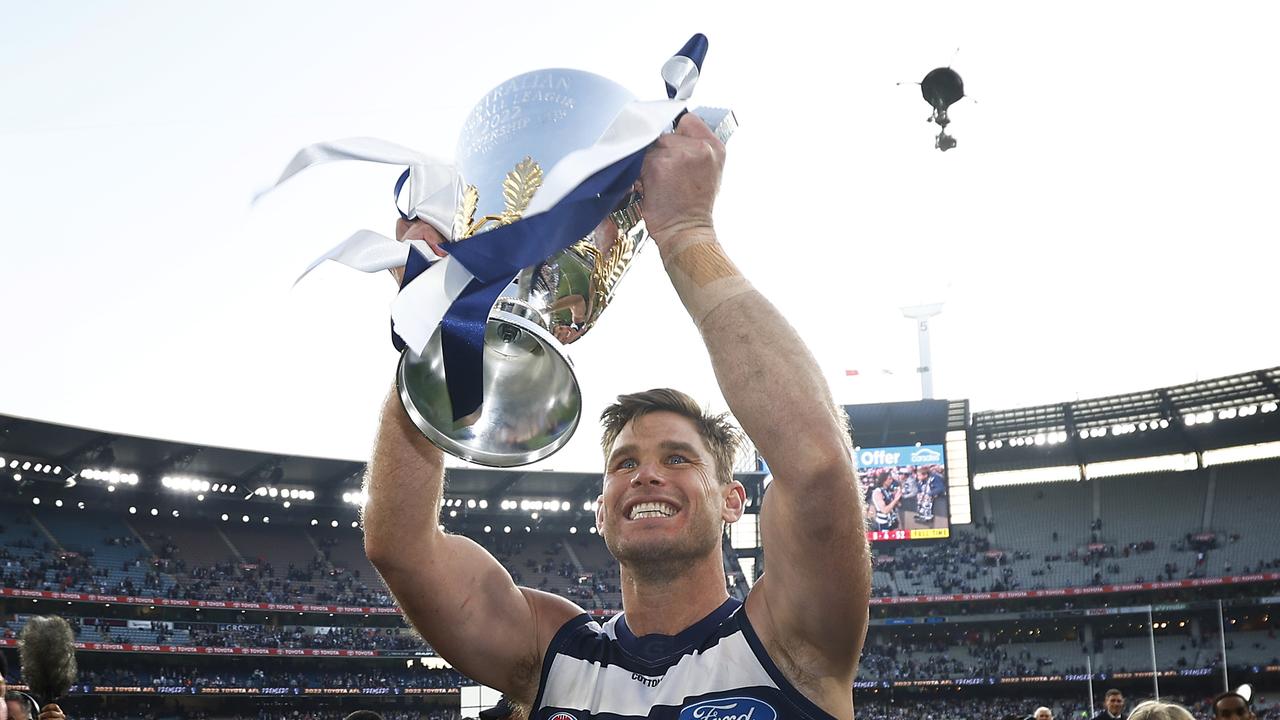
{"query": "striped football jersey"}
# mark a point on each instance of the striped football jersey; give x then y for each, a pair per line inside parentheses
(717, 669)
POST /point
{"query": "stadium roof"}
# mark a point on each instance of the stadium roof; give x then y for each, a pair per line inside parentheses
(74, 450)
(1225, 412)
(1191, 418)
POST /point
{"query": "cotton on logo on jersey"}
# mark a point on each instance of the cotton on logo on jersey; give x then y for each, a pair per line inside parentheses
(736, 708)
(649, 681)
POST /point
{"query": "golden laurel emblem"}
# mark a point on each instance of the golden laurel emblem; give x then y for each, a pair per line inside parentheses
(517, 190)
(608, 268)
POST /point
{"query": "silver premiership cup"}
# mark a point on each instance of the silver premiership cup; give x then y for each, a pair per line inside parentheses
(532, 402)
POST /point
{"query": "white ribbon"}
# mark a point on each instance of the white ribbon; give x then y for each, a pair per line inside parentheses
(433, 185)
(370, 252)
(682, 74)
(636, 125)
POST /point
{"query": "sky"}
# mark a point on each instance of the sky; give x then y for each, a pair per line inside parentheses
(1106, 223)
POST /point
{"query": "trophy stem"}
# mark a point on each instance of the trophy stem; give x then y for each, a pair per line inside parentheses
(525, 283)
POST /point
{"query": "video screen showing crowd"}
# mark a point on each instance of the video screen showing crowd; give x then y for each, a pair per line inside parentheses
(905, 492)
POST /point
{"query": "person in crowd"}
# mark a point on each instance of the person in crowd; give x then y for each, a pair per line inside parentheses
(924, 501)
(1043, 713)
(17, 705)
(1112, 706)
(1232, 706)
(906, 480)
(885, 500)
(1156, 710)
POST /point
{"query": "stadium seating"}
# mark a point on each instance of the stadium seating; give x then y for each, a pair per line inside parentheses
(1026, 537)
(107, 542)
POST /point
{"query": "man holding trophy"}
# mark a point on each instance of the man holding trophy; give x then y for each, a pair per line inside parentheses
(682, 648)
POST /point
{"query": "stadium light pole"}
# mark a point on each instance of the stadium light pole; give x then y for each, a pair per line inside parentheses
(1088, 665)
(1222, 640)
(921, 314)
(1151, 635)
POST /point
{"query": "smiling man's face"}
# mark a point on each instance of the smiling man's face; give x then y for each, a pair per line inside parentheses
(662, 507)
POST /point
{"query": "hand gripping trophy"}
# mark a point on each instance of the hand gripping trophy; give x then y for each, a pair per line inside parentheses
(542, 214)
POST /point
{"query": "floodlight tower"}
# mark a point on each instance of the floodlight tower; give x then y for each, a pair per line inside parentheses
(921, 314)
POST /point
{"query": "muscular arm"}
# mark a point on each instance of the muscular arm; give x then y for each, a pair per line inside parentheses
(816, 590)
(817, 584)
(457, 595)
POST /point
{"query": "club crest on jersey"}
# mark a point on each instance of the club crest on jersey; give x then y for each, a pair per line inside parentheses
(734, 708)
(562, 716)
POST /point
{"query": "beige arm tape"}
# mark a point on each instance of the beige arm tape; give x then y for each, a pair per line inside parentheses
(705, 278)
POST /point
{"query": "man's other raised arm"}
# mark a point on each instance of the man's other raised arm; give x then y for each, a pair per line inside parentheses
(818, 575)
(457, 595)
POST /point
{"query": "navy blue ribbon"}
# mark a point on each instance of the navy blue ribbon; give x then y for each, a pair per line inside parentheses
(404, 177)
(496, 256)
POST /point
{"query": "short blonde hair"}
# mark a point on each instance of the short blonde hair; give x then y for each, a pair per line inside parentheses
(1156, 710)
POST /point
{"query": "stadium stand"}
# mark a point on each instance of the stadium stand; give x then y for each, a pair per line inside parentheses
(1038, 536)
(347, 557)
(263, 545)
(193, 540)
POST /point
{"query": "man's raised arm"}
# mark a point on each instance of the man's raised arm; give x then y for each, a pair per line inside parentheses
(817, 584)
(457, 595)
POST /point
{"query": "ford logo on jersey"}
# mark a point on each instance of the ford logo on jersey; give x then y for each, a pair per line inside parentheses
(735, 708)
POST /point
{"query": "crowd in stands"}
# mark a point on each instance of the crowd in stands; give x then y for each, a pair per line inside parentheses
(967, 563)
(300, 637)
(887, 655)
(48, 568)
(318, 582)
(592, 587)
(332, 715)
(159, 711)
(230, 676)
(872, 707)
(869, 707)
(43, 566)
(981, 557)
(948, 708)
(943, 659)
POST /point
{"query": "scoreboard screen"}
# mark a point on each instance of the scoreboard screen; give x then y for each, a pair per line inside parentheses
(905, 490)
